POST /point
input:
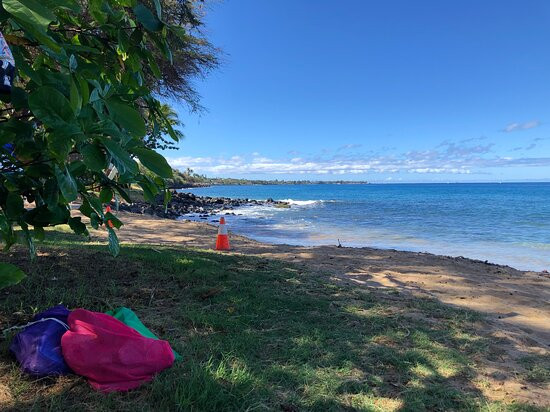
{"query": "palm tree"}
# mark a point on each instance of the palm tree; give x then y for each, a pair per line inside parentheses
(156, 137)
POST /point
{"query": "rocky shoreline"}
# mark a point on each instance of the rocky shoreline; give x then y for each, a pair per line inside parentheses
(186, 203)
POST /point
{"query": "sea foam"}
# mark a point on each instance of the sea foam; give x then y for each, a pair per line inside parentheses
(301, 202)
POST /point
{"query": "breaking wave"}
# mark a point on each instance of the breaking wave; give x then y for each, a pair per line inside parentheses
(301, 202)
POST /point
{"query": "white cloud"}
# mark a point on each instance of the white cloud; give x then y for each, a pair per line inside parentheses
(188, 161)
(447, 158)
(440, 170)
(530, 147)
(349, 147)
(513, 127)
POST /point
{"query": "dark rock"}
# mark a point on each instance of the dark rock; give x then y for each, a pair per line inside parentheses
(186, 203)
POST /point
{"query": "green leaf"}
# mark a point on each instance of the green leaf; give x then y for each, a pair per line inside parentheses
(154, 162)
(123, 194)
(94, 96)
(77, 169)
(38, 170)
(24, 68)
(39, 233)
(106, 195)
(6, 136)
(19, 98)
(75, 98)
(93, 157)
(60, 144)
(44, 216)
(84, 90)
(167, 198)
(73, 64)
(14, 205)
(66, 183)
(114, 247)
(85, 208)
(96, 11)
(147, 18)
(148, 194)
(28, 240)
(96, 204)
(6, 232)
(179, 31)
(163, 46)
(51, 107)
(10, 275)
(127, 117)
(51, 193)
(63, 4)
(75, 223)
(94, 220)
(158, 8)
(127, 3)
(172, 132)
(122, 159)
(108, 128)
(114, 220)
(29, 11)
(41, 36)
(34, 18)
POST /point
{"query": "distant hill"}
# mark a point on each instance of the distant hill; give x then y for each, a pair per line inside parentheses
(190, 178)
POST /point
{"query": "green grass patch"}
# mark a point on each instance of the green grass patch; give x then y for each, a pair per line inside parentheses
(255, 334)
(537, 368)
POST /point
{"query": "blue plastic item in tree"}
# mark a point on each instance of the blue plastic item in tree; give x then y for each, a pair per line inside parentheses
(9, 148)
(38, 347)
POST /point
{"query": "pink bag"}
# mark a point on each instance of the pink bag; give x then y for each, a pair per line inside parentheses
(113, 356)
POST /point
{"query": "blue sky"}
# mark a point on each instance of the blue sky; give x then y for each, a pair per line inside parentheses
(384, 91)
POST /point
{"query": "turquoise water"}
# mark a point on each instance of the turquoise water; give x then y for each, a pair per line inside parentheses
(505, 223)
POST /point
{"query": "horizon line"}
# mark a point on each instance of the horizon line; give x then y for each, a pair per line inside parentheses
(379, 182)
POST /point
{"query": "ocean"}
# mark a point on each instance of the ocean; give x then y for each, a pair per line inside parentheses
(507, 223)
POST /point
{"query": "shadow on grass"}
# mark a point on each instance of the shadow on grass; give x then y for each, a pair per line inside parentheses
(254, 334)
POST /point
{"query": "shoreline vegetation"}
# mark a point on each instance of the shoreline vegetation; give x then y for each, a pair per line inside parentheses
(189, 179)
(291, 328)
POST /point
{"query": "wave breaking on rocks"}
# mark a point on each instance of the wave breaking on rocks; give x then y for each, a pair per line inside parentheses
(186, 203)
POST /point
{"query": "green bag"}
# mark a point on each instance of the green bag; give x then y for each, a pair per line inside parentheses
(129, 318)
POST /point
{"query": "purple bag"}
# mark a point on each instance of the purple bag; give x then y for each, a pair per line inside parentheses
(38, 347)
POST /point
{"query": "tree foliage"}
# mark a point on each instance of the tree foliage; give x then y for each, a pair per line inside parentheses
(88, 77)
(192, 55)
(159, 138)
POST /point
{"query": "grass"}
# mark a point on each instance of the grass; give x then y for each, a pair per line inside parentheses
(255, 334)
(537, 368)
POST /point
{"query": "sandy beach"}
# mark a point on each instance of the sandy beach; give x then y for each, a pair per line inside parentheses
(516, 303)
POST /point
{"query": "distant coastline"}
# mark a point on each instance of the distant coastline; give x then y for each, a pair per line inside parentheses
(189, 180)
(245, 182)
